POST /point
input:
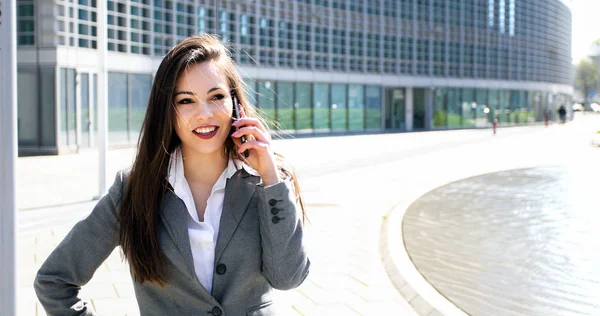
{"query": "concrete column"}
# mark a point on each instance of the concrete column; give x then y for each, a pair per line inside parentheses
(78, 132)
(409, 112)
(102, 101)
(8, 157)
(428, 108)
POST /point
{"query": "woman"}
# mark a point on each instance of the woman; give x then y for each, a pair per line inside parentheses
(206, 231)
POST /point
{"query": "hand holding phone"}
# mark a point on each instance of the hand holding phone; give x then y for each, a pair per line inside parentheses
(236, 115)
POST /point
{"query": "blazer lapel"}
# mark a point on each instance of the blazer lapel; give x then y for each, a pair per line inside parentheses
(174, 215)
(238, 192)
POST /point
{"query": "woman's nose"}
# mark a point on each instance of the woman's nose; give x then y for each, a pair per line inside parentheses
(204, 110)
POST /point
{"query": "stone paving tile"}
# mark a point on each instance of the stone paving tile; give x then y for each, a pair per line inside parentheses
(116, 306)
(26, 304)
(421, 306)
(124, 289)
(302, 304)
(110, 277)
(407, 292)
(99, 291)
(391, 308)
(338, 309)
(435, 312)
(321, 296)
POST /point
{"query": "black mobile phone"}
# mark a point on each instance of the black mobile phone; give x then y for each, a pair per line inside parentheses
(236, 115)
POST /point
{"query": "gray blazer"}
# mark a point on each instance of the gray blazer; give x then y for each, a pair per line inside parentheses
(256, 252)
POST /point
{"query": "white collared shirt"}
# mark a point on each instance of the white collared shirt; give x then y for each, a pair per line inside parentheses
(203, 235)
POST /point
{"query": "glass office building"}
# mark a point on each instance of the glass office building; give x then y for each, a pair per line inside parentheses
(315, 66)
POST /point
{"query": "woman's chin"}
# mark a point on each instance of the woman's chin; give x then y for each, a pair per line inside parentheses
(202, 149)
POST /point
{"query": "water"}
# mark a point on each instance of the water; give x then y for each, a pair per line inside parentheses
(520, 242)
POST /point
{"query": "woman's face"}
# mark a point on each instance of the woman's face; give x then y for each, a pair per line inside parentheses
(203, 108)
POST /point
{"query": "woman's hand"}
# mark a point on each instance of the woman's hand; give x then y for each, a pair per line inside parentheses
(261, 156)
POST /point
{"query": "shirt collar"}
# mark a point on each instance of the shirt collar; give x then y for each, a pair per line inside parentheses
(177, 175)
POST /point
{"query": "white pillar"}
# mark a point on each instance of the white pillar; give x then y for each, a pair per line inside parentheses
(409, 109)
(8, 157)
(102, 100)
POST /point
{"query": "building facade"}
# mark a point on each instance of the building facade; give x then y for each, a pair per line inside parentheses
(315, 66)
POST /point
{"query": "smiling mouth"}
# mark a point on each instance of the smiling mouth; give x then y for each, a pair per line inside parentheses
(206, 132)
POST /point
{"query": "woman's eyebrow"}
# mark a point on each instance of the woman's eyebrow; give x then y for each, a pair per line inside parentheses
(213, 89)
(191, 93)
(184, 92)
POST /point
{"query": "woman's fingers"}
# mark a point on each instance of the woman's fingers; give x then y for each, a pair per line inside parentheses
(252, 132)
(248, 121)
(253, 144)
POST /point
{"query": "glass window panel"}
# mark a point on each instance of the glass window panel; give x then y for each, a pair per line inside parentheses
(493, 104)
(482, 109)
(503, 106)
(419, 108)
(285, 105)
(85, 109)
(117, 107)
(454, 108)
(321, 105)
(339, 109)
(469, 107)
(303, 106)
(25, 26)
(27, 109)
(396, 110)
(72, 120)
(250, 91)
(513, 107)
(24, 10)
(373, 106)
(440, 113)
(63, 106)
(356, 107)
(266, 101)
(47, 89)
(524, 108)
(139, 91)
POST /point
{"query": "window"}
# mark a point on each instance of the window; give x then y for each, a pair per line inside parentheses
(511, 17)
(285, 105)
(338, 107)
(490, 13)
(373, 107)
(302, 106)
(266, 100)
(321, 105)
(25, 23)
(501, 16)
(356, 107)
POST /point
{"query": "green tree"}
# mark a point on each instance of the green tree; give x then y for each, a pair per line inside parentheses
(587, 76)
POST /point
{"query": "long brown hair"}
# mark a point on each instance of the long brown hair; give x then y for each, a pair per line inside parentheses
(148, 179)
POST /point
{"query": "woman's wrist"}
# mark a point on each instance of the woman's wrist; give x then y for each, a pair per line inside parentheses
(270, 180)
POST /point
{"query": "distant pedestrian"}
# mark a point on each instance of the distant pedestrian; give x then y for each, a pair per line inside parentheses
(562, 114)
(209, 218)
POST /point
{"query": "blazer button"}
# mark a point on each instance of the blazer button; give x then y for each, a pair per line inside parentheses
(217, 311)
(272, 202)
(275, 219)
(274, 211)
(221, 268)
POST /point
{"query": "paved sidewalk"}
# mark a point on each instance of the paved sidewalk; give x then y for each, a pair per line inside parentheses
(348, 200)
(346, 278)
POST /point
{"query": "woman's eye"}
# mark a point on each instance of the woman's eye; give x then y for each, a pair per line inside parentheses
(185, 101)
(217, 97)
